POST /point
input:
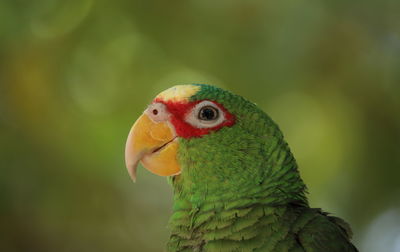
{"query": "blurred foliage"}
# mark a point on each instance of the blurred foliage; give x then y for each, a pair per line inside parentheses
(74, 75)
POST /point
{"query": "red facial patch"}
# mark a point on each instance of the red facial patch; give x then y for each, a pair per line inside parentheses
(179, 110)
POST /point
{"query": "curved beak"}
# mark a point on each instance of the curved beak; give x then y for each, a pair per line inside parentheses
(155, 145)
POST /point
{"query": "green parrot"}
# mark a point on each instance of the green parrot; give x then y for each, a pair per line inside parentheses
(236, 183)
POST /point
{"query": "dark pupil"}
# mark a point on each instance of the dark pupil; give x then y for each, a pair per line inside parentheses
(155, 111)
(208, 113)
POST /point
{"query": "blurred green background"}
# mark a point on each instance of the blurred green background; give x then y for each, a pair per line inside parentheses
(74, 75)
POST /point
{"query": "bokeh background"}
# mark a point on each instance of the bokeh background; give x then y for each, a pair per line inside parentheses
(74, 75)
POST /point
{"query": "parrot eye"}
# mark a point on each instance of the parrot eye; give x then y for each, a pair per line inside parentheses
(208, 113)
(205, 114)
(157, 112)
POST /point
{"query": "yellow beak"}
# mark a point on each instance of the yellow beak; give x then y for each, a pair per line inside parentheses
(155, 145)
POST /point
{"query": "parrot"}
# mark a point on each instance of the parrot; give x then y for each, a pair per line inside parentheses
(236, 184)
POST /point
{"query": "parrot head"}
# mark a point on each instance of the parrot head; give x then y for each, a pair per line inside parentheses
(209, 139)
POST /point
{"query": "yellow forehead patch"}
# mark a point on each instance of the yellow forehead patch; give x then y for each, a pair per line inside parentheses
(179, 93)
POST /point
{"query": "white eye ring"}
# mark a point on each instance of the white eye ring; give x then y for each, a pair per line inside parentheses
(193, 117)
(157, 112)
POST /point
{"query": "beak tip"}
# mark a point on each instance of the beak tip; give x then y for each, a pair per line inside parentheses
(132, 170)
